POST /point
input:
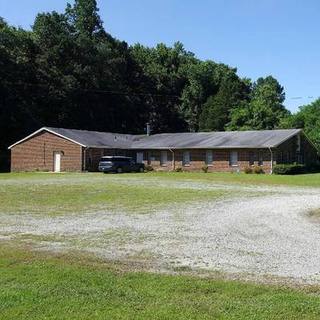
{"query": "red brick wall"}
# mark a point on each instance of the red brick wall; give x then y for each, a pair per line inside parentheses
(220, 162)
(36, 154)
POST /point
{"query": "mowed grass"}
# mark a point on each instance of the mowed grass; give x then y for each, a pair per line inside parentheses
(39, 286)
(307, 180)
(51, 194)
(311, 180)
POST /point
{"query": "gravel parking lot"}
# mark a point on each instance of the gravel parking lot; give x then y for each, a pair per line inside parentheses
(265, 234)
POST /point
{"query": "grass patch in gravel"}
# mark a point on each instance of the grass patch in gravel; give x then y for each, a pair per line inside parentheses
(315, 214)
(37, 286)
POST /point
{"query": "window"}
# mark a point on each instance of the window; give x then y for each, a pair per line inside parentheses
(260, 158)
(251, 158)
(186, 158)
(139, 157)
(149, 157)
(209, 157)
(233, 158)
(163, 158)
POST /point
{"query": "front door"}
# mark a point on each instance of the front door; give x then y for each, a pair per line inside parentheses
(139, 157)
(57, 161)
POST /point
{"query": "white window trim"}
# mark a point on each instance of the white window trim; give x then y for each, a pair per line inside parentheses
(206, 160)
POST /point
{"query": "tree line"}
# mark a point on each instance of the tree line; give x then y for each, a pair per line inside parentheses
(68, 71)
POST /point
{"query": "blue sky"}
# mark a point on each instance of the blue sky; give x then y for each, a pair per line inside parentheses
(259, 37)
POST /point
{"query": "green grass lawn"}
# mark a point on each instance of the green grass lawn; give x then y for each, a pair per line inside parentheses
(71, 192)
(76, 193)
(39, 286)
(311, 180)
(308, 180)
(49, 193)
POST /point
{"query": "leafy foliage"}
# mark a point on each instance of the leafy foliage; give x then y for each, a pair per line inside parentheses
(307, 118)
(232, 92)
(265, 109)
(289, 169)
(248, 170)
(258, 170)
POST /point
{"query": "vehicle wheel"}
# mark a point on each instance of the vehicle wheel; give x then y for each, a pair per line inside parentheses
(119, 170)
(141, 170)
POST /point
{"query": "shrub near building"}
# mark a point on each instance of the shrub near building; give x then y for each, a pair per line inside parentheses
(289, 169)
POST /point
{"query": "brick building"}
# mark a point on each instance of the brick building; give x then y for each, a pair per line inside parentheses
(57, 149)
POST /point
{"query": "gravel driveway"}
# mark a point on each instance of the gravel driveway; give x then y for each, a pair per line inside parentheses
(268, 235)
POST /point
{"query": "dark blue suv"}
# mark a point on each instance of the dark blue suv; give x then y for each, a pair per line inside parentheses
(119, 164)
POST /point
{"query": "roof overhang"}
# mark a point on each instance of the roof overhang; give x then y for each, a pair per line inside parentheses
(48, 130)
(139, 146)
(287, 138)
(109, 147)
(202, 147)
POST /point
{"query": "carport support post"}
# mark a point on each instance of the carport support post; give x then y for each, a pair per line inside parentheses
(84, 159)
(271, 161)
(173, 160)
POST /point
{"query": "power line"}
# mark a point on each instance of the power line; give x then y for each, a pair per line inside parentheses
(121, 93)
(131, 93)
(299, 98)
(111, 92)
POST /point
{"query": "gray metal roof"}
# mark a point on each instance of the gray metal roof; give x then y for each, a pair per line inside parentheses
(186, 140)
(97, 139)
(219, 140)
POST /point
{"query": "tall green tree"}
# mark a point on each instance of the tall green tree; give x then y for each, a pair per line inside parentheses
(165, 69)
(308, 119)
(265, 109)
(199, 98)
(202, 82)
(215, 114)
(85, 18)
